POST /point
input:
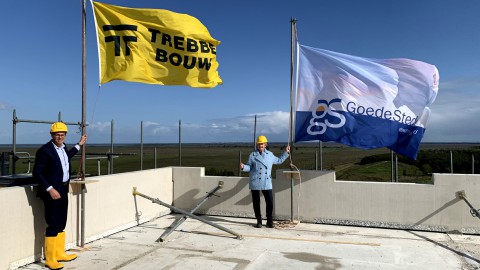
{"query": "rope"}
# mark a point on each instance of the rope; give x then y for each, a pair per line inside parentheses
(95, 103)
(80, 164)
(288, 224)
(79, 170)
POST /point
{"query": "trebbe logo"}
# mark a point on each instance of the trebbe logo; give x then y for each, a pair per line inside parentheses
(116, 39)
(319, 121)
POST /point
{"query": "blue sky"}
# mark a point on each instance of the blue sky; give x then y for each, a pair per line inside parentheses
(40, 74)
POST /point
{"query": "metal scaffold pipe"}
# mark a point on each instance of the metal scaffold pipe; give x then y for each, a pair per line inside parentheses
(463, 196)
(157, 201)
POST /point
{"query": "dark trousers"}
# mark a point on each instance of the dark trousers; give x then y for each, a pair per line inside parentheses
(56, 212)
(268, 195)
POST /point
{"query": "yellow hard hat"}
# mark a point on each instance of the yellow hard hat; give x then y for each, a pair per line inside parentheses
(261, 139)
(58, 127)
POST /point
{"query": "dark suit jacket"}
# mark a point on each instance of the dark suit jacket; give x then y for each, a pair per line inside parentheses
(47, 170)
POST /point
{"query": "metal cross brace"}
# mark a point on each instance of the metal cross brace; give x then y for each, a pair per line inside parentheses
(187, 214)
(179, 221)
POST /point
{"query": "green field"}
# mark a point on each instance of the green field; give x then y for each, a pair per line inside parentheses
(223, 159)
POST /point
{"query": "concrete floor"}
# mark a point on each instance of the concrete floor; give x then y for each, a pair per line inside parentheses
(197, 245)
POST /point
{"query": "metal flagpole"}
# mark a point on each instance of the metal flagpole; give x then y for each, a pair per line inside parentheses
(290, 135)
(110, 157)
(292, 22)
(82, 207)
(391, 167)
(180, 143)
(141, 145)
(255, 133)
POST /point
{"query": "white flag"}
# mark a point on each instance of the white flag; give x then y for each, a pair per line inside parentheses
(362, 102)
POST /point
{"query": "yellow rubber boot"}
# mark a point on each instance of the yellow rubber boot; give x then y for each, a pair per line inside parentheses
(50, 256)
(60, 250)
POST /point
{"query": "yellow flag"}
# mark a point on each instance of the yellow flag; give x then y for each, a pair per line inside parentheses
(154, 46)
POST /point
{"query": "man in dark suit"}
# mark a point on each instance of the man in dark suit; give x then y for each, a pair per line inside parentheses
(52, 173)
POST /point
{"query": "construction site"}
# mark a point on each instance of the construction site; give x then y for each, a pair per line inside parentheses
(125, 221)
(177, 216)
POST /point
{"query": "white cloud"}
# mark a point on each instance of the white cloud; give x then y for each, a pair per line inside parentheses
(147, 124)
(99, 127)
(273, 122)
(454, 116)
(230, 129)
(241, 128)
(160, 130)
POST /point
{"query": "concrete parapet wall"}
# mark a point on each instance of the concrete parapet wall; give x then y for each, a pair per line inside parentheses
(191, 186)
(428, 207)
(318, 198)
(110, 207)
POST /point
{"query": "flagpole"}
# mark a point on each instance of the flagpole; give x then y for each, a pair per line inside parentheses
(293, 21)
(255, 133)
(82, 207)
(290, 141)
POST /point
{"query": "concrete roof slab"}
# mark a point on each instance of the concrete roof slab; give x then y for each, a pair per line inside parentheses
(196, 245)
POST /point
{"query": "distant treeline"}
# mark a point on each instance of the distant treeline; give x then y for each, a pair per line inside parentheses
(436, 160)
